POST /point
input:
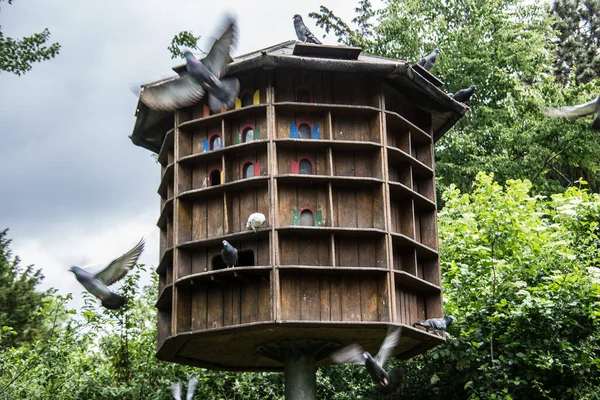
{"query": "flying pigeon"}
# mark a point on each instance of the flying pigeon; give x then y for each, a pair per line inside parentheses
(302, 32)
(436, 325)
(97, 284)
(190, 391)
(463, 95)
(203, 75)
(255, 220)
(356, 355)
(229, 254)
(577, 111)
(428, 61)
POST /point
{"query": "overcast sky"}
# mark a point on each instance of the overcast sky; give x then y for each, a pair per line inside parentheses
(74, 189)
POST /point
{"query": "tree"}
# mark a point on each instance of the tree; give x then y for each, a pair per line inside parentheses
(184, 39)
(20, 302)
(577, 49)
(18, 55)
(504, 47)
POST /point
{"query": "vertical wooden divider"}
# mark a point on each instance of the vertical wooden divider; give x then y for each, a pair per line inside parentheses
(273, 198)
(387, 211)
(329, 186)
(176, 250)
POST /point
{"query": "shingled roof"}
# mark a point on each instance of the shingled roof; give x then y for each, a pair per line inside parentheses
(151, 126)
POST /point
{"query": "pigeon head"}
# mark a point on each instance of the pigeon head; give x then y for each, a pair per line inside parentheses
(189, 56)
(226, 244)
(449, 320)
(436, 50)
(297, 18)
(79, 272)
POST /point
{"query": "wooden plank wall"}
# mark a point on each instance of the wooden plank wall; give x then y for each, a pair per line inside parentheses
(233, 126)
(304, 250)
(208, 217)
(240, 204)
(349, 127)
(297, 196)
(256, 80)
(234, 163)
(401, 173)
(402, 217)
(203, 133)
(357, 163)
(201, 171)
(405, 260)
(285, 156)
(202, 259)
(399, 137)
(359, 207)
(284, 118)
(360, 251)
(333, 297)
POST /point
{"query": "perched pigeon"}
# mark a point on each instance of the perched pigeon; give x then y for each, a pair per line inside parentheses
(255, 220)
(577, 111)
(355, 354)
(229, 254)
(428, 61)
(463, 95)
(436, 325)
(97, 284)
(304, 35)
(201, 76)
(190, 391)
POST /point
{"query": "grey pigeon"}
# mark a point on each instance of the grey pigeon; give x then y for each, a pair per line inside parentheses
(436, 325)
(97, 284)
(577, 111)
(255, 220)
(302, 32)
(190, 391)
(463, 95)
(374, 366)
(229, 254)
(428, 61)
(202, 75)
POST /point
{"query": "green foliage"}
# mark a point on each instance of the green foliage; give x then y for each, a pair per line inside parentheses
(184, 39)
(18, 55)
(521, 275)
(578, 28)
(19, 301)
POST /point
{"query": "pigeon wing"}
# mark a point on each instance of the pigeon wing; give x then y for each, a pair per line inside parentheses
(176, 391)
(191, 388)
(350, 354)
(220, 52)
(172, 95)
(390, 341)
(574, 111)
(119, 267)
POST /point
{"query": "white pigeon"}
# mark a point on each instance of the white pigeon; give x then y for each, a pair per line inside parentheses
(255, 220)
(190, 391)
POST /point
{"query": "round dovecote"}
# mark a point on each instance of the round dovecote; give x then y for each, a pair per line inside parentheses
(341, 164)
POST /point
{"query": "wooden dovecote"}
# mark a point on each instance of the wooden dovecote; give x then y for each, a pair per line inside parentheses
(337, 153)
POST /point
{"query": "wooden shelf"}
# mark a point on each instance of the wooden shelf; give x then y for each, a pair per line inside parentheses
(421, 202)
(410, 281)
(238, 185)
(338, 181)
(165, 260)
(324, 230)
(165, 298)
(212, 154)
(167, 144)
(243, 235)
(237, 113)
(321, 270)
(322, 107)
(167, 178)
(348, 145)
(419, 169)
(164, 213)
(224, 276)
(418, 135)
(401, 240)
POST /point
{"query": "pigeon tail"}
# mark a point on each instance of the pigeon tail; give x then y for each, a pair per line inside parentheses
(226, 98)
(596, 123)
(114, 302)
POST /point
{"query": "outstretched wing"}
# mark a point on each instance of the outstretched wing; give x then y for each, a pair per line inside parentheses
(176, 391)
(220, 52)
(349, 354)
(119, 267)
(573, 112)
(172, 95)
(191, 388)
(390, 341)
